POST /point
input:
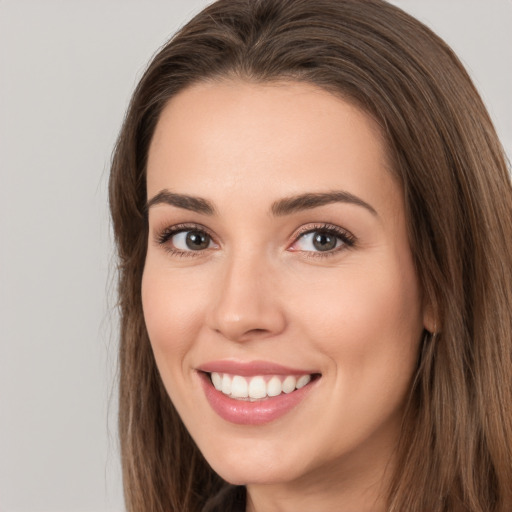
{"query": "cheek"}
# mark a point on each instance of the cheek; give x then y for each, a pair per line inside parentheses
(368, 325)
(362, 298)
(172, 310)
(368, 322)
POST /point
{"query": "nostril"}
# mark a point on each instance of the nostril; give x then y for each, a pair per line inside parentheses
(257, 332)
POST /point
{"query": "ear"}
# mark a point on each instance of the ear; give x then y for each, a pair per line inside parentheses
(430, 321)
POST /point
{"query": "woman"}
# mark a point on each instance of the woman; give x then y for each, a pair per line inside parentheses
(313, 217)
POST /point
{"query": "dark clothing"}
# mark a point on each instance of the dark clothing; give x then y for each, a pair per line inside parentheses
(231, 498)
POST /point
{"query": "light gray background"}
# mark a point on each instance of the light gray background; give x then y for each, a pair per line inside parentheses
(67, 69)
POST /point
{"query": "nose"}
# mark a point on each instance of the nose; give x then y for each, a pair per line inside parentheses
(247, 305)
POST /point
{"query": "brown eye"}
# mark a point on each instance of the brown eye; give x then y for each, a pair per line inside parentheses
(320, 240)
(324, 241)
(191, 240)
(197, 240)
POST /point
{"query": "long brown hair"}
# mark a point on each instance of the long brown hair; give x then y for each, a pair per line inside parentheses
(455, 451)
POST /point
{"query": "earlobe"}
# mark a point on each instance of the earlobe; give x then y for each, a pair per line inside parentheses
(430, 321)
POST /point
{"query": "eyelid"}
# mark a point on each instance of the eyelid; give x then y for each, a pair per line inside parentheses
(163, 236)
(348, 239)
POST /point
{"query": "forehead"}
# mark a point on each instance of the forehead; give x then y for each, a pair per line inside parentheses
(266, 139)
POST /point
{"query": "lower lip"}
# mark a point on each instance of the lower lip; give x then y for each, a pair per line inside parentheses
(243, 412)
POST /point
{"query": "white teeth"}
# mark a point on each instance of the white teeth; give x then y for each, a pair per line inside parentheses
(302, 381)
(217, 381)
(258, 387)
(274, 386)
(239, 387)
(289, 384)
(226, 384)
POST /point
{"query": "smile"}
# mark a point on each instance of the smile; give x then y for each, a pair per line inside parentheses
(254, 393)
(258, 387)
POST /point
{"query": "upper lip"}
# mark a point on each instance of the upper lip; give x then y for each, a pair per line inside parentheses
(251, 368)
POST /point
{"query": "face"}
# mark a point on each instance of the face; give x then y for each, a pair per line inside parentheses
(279, 291)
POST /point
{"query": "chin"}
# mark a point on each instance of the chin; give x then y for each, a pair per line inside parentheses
(261, 463)
(252, 473)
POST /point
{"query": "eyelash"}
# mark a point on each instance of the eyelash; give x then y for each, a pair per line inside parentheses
(164, 237)
(348, 239)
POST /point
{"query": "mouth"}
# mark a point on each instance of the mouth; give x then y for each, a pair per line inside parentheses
(259, 387)
(244, 396)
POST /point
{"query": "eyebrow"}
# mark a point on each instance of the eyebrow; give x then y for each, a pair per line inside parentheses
(314, 200)
(194, 204)
(279, 208)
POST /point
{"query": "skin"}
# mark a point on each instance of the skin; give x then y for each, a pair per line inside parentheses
(262, 291)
